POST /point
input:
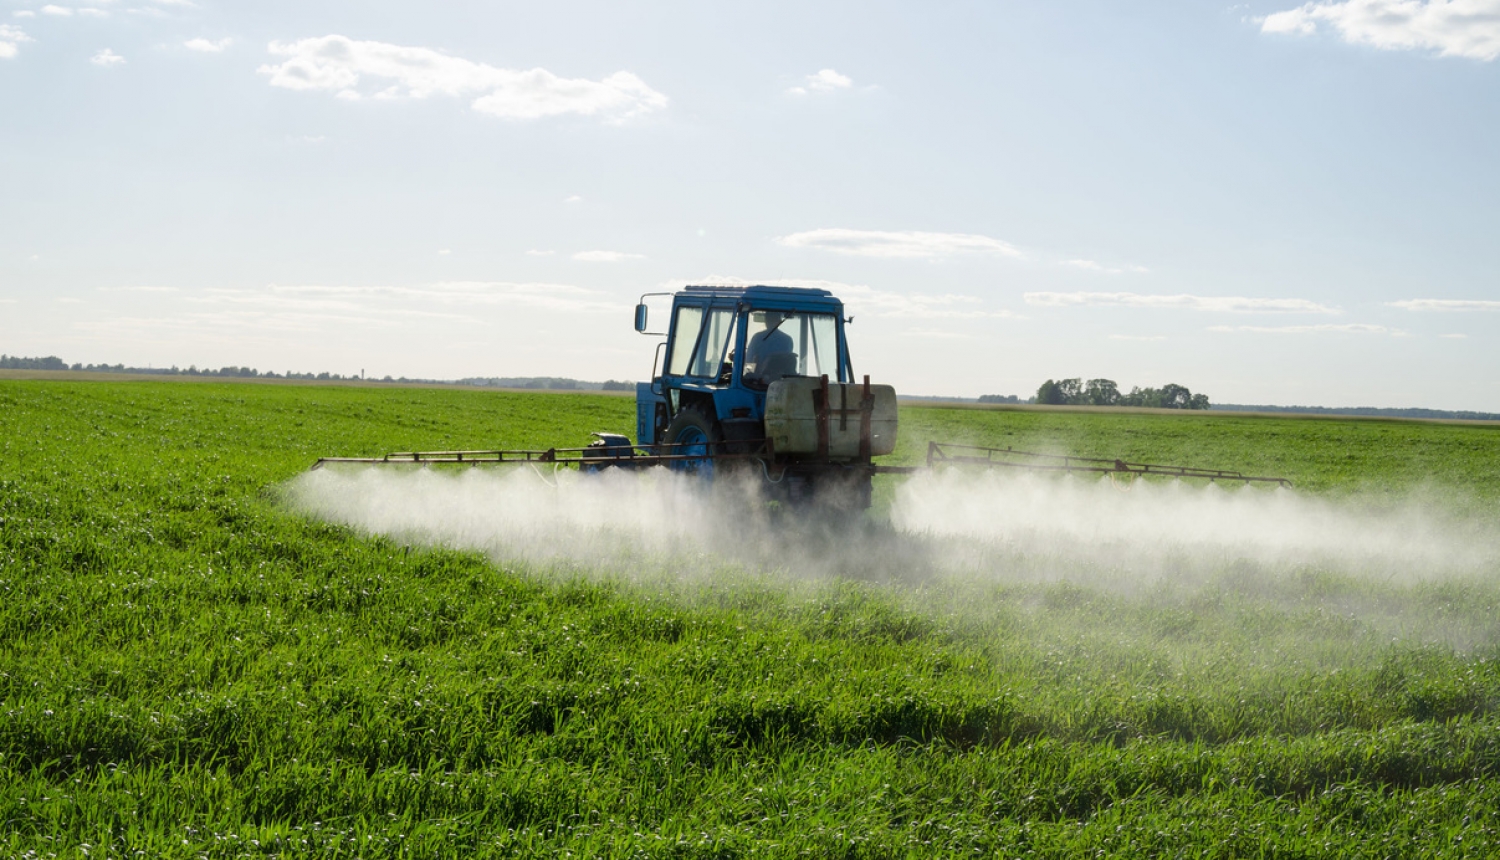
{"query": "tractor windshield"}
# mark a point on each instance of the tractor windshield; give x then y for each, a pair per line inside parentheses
(787, 343)
(698, 344)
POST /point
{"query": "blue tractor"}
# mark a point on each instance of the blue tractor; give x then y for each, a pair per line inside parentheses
(759, 378)
(756, 383)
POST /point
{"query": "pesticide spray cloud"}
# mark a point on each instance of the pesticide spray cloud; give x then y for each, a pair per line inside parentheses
(519, 514)
(1145, 526)
(971, 547)
(994, 525)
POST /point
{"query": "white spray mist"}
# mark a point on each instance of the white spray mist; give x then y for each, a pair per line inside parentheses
(1001, 525)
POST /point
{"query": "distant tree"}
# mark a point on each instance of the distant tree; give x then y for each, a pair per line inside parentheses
(1049, 394)
(1101, 392)
(1063, 392)
(999, 398)
(1104, 392)
(1174, 396)
(16, 362)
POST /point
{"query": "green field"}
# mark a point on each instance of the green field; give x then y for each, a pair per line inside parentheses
(190, 665)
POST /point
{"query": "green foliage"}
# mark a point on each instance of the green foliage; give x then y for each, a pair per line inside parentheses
(1379, 459)
(189, 669)
(16, 362)
(1104, 392)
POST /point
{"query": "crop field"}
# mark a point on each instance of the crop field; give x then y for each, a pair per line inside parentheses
(207, 652)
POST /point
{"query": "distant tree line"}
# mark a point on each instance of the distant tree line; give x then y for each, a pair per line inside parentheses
(1363, 411)
(52, 362)
(16, 362)
(1104, 392)
(548, 383)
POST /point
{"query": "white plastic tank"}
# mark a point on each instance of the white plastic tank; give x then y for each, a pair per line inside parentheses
(793, 407)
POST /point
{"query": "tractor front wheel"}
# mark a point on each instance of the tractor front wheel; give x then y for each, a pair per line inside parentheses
(695, 437)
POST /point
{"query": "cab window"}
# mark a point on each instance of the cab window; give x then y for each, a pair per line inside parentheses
(786, 343)
(817, 334)
(699, 341)
(709, 357)
(685, 331)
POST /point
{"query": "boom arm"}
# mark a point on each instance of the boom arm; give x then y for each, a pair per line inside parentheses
(942, 453)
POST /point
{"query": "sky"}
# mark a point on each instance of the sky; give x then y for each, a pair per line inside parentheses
(1268, 202)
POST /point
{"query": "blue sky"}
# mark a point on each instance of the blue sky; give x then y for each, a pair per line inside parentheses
(1267, 202)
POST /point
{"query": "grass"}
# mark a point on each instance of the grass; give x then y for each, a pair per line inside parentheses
(1322, 455)
(188, 668)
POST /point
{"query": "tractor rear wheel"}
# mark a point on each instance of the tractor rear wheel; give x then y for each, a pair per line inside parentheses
(831, 495)
(696, 436)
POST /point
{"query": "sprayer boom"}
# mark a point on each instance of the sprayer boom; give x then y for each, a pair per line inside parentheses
(942, 453)
(615, 451)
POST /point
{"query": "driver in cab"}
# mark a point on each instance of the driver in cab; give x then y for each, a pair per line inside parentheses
(768, 353)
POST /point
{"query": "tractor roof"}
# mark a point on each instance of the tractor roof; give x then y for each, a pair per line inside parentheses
(805, 298)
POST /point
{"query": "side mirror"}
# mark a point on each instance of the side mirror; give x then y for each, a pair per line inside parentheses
(640, 317)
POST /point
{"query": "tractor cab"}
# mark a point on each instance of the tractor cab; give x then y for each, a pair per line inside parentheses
(725, 347)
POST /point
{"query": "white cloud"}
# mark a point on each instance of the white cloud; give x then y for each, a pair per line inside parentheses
(904, 244)
(825, 81)
(218, 326)
(24, 13)
(443, 252)
(828, 79)
(860, 299)
(573, 198)
(1446, 305)
(395, 303)
(10, 40)
(67, 11)
(884, 303)
(107, 58)
(1139, 337)
(153, 11)
(606, 256)
(1221, 304)
(207, 46)
(1344, 328)
(339, 64)
(1453, 28)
